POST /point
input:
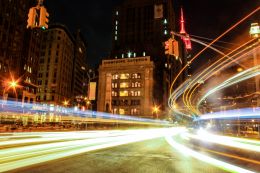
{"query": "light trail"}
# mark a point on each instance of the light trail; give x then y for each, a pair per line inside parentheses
(198, 54)
(247, 74)
(249, 113)
(217, 66)
(19, 156)
(207, 159)
(230, 156)
(71, 113)
(223, 140)
(220, 64)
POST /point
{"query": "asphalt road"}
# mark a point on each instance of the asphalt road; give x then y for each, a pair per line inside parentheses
(151, 156)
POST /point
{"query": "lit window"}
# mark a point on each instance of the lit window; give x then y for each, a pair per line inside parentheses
(115, 37)
(116, 27)
(24, 67)
(114, 111)
(117, 13)
(165, 32)
(121, 111)
(115, 32)
(114, 93)
(129, 54)
(115, 76)
(124, 76)
(124, 85)
(165, 21)
(123, 93)
(123, 56)
(116, 22)
(144, 54)
(134, 54)
(80, 50)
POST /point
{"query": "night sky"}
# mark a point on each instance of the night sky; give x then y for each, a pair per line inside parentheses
(207, 18)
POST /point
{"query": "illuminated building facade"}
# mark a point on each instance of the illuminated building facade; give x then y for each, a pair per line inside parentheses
(55, 73)
(19, 50)
(126, 86)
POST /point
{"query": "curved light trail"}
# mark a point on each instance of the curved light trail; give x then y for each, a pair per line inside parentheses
(247, 74)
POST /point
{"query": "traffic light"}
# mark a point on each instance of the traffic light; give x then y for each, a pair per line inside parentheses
(168, 46)
(31, 18)
(43, 22)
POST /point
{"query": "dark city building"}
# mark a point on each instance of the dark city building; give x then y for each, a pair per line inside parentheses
(61, 66)
(140, 29)
(19, 50)
(79, 65)
(56, 65)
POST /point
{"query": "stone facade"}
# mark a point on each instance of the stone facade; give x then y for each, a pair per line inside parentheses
(126, 86)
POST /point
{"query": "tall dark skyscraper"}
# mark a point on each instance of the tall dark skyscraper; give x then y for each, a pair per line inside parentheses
(140, 28)
(19, 49)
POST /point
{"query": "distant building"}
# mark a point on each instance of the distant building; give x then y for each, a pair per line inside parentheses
(79, 66)
(19, 50)
(140, 29)
(126, 86)
(55, 73)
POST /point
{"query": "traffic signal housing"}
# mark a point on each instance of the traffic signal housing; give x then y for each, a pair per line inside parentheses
(31, 18)
(168, 46)
(44, 20)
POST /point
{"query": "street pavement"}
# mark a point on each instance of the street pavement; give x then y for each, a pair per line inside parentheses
(168, 150)
(151, 156)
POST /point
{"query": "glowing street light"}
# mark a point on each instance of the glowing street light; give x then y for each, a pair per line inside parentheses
(66, 103)
(156, 110)
(13, 84)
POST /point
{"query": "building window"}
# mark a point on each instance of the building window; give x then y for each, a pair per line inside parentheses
(40, 75)
(115, 37)
(135, 111)
(115, 76)
(52, 98)
(115, 111)
(122, 111)
(124, 76)
(135, 102)
(136, 76)
(39, 82)
(124, 85)
(42, 61)
(117, 13)
(114, 85)
(114, 94)
(123, 93)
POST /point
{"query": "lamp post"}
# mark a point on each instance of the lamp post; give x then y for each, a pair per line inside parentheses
(66, 103)
(156, 110)
(11, 84)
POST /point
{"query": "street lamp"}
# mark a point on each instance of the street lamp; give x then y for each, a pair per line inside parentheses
(66, 103)
(156, 110)
(11, 84)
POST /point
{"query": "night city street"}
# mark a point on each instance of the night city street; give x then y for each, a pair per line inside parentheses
(129, 86)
